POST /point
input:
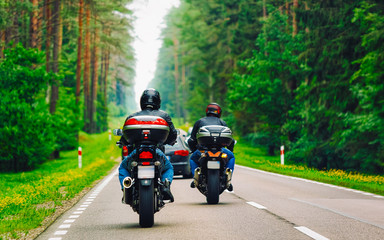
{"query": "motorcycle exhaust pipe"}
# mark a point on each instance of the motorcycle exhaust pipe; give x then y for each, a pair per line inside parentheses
(228, 172)
(197, 176)
(127, 182)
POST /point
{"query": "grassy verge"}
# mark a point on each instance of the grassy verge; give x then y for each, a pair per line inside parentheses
(257, 158)
(27, 199)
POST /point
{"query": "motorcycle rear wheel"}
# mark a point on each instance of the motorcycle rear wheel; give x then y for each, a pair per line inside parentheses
(213, 180)
(146, 205)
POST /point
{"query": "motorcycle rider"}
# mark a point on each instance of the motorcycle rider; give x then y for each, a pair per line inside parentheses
(150, 104)
(213, 114)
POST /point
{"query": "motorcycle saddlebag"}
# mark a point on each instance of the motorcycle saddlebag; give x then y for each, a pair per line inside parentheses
(145, 129)
(214, 135)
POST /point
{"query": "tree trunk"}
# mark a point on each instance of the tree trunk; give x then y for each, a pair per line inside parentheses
(294, 20)
(184, 86)
(95, 77)
(33, 23)
(87, 62)
(79, 48)
(176, 73)
(48, 12)
(39, 26)
(105, 90)
(2, 37)
(57, 41)
(264, 9)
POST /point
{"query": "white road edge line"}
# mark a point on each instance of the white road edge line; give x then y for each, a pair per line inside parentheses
(256, 205)
(73, 217)
(311, 233)
(312, 181)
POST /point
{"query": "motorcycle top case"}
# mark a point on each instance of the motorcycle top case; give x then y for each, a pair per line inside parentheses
(214, 135)
(145, 129)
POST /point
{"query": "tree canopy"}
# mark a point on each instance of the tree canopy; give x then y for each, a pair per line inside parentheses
(304, 74)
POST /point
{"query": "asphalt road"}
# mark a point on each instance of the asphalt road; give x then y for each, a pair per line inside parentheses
(262, 206)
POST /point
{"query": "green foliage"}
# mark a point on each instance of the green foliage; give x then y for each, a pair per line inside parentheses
(25, 124)
(44, 190)
(318, 91)
(263, 96)
(66, 123)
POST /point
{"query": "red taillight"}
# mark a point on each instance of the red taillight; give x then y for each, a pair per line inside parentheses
(125, 151)
(183, 153)
(158, 121)
(145, 163)
(145, 155)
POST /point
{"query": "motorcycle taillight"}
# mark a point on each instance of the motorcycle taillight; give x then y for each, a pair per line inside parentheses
(182, 153)
(125, 151)
(145, 155)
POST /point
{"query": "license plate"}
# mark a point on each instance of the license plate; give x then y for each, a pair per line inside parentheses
(145, 172)
(213, 164)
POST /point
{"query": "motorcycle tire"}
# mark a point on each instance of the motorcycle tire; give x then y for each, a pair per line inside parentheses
(213, 186)
(146, 205)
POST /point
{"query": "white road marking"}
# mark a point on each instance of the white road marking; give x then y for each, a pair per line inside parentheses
(72, 218)
(311, 233)
(256, 205)
(61, 232)
(65, 226)
(69, 220)
(311, 181)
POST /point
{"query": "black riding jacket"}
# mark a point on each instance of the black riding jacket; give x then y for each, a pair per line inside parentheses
(205, 121)
(172, 131)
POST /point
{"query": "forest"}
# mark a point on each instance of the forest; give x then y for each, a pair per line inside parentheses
(308, 75)
(304, 74)
(65, 66)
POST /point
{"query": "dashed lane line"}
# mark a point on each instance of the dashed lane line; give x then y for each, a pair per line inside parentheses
(311, 233)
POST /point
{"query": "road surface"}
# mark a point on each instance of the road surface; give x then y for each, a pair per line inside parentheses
(262, 206)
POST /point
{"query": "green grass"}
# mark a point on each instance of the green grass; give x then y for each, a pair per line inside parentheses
(257, 158)
(26, 199)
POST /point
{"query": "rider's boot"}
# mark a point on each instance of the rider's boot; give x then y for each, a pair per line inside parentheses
(166, 191)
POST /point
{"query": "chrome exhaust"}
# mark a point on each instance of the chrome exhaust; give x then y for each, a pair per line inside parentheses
(127, 182)
(228, 172)
(197, 176)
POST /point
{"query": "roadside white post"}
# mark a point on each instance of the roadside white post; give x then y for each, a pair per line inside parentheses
(282, 155)
(80, 153)
(110, 134)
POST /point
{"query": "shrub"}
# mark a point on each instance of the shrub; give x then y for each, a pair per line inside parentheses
(25, 125)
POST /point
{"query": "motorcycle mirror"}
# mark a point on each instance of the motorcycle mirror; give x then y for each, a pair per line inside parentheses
(118, 132)
(186, 141)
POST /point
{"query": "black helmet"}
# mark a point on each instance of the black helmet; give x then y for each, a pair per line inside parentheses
(150, 99)
(213, 109)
